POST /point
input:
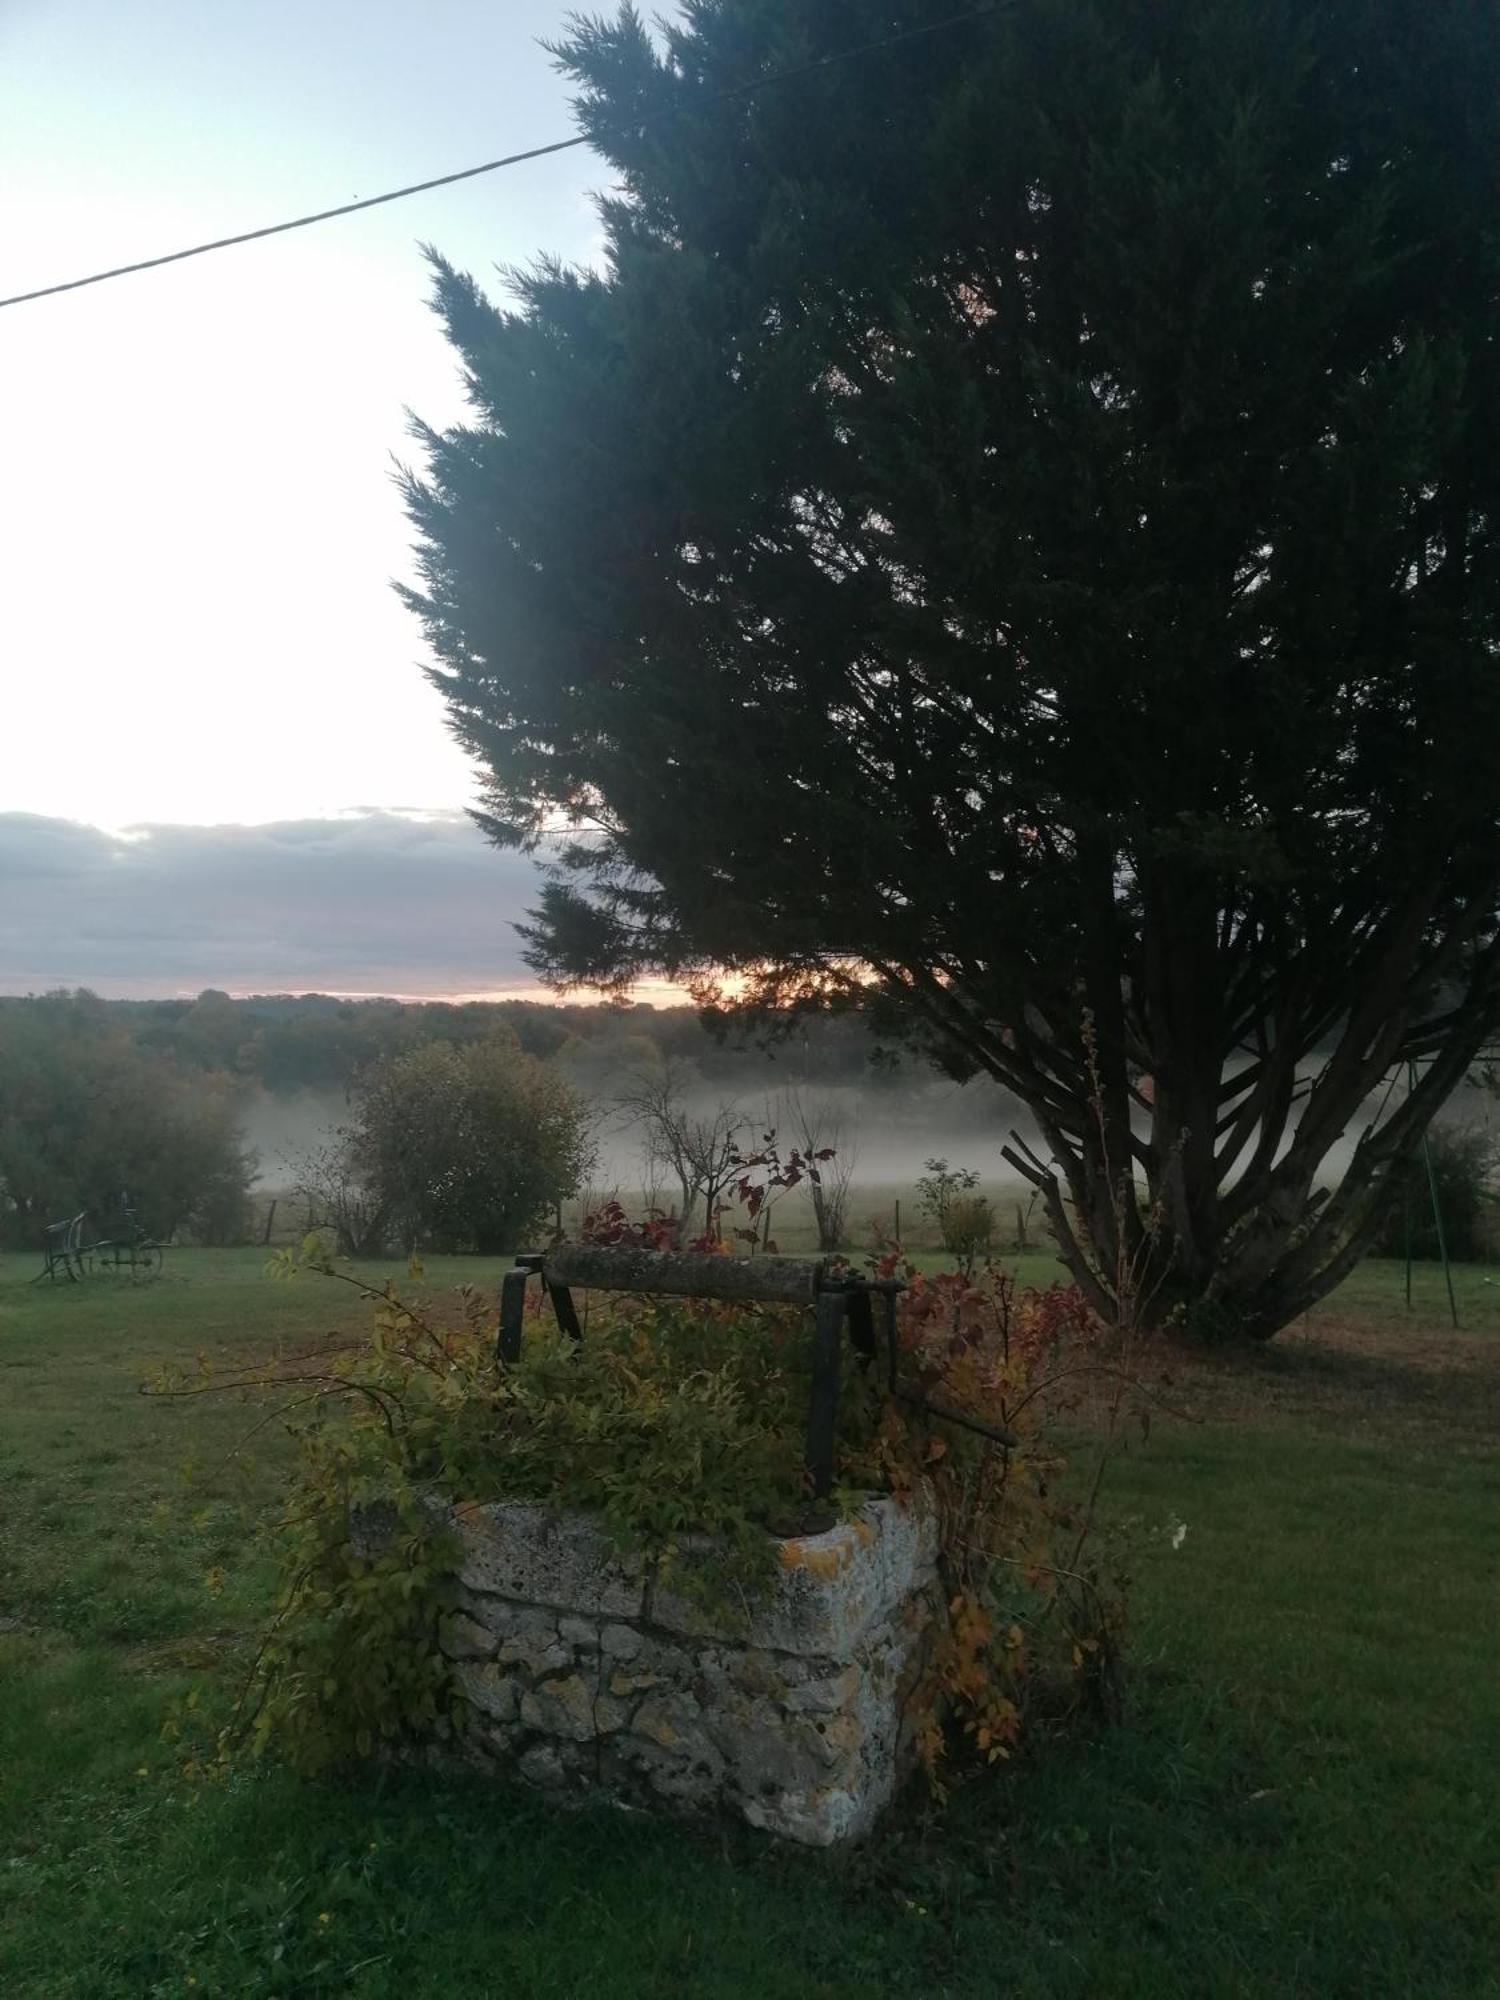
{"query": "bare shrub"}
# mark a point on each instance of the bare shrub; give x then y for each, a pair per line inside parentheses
(684, 1154)
(968, 1226)
(328, 1179)
(817, 1125)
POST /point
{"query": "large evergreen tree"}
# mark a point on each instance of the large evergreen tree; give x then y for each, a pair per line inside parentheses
(1012, 527)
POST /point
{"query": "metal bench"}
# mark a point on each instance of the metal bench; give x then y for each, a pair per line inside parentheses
(67, 1249)
(63, 1250)
(133, 1248)
(838, 1299)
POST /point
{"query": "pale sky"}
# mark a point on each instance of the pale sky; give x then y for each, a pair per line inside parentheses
(198, 528)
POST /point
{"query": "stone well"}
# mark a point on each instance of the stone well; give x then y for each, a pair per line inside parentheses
(582, 1672)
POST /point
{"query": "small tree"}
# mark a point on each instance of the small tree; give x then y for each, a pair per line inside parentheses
(221, 1213)
(969, 1230)
(966, 1223)
(823, 1133)
(693, 1151)
(941, 1186)
(762, 1177)
(329, 1179)
(468, 1149)
(1024, 1210)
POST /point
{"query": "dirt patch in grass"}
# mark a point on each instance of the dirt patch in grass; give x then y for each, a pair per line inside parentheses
(1334, 1370)
(198, 1652)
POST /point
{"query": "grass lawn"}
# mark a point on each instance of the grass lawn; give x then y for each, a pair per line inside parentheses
(1305, 1798)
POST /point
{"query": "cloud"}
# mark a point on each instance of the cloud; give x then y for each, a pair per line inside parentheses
(369, 902)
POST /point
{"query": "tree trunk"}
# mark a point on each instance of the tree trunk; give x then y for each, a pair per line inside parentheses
(1210, 1216)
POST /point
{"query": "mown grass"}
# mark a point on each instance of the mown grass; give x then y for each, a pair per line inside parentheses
(1303, 1799)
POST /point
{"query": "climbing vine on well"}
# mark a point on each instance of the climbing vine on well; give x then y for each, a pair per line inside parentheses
(1029, 1611)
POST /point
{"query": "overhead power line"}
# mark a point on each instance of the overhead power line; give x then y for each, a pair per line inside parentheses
(488, 166)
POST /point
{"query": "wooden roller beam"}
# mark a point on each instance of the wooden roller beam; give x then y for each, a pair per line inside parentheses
(766, 1280)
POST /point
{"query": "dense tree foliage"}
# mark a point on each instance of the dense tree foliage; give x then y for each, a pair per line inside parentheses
(90, 1118)
(1454, 1182)
(1013, 525)
(467, 1148)
(287, 1043)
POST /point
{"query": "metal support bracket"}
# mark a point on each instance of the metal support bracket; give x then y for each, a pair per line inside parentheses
(512, 1316)
(563, 1306)
(823, 1405)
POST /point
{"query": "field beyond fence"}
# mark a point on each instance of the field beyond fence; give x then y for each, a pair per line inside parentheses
(875, 1209)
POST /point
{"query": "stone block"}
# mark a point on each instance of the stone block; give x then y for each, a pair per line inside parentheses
(535, 1656)
(830, 1590)
(672, 1721)
(538, 1556)
(488, 1688)
(624, 1685)
(464, 1638)
(541, 1765)
(828, 1694)
(621, 1642)
(561, 1708)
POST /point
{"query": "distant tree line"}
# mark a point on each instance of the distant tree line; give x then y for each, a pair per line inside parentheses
(288, 1043)
(456, 1141)
(466, 1126)
(464, 1122)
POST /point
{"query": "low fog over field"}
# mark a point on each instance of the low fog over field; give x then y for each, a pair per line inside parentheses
(885, 1129)
(296, 1058)
(890, 1128)
(282, 1066)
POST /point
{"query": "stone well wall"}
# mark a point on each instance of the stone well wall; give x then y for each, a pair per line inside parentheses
(582, 1672)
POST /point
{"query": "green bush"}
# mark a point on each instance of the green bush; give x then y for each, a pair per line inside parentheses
(222, 1213)
(466, 1148)
(964, 1218)
(89, 1118)
(1464, 1158)
(969, 1229)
